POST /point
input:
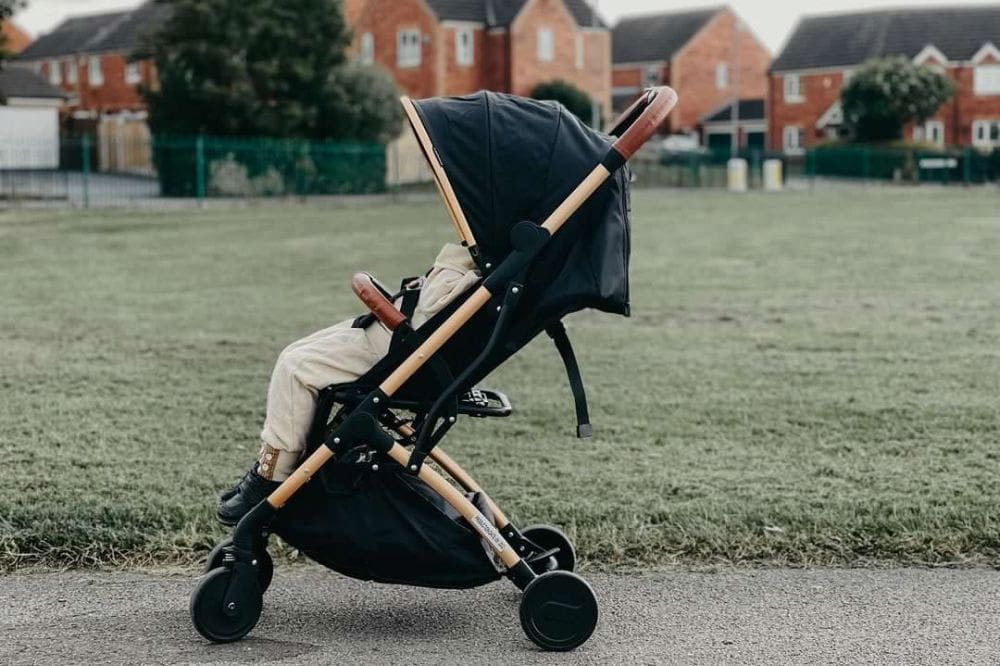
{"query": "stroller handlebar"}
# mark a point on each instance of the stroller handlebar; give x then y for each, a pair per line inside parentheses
(641, 120)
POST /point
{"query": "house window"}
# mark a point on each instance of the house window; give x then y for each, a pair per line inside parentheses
(651, 76)
(986, 133)
(579, 50)
(95, 76)
(930, 132)
(793, 88)
(465, 53)
(986, 80)
(546, 45)
(793, 139)
(55, 74)
(408, 48)
(367, 48)
(71, 74)
(132, 74)
(722, 76)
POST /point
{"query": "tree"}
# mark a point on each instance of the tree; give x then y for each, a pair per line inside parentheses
(885, 95)
(362, 104)
(246, 67)
(7, 10)
(575, 100)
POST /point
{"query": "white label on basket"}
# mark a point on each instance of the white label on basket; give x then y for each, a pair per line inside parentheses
(489, 532)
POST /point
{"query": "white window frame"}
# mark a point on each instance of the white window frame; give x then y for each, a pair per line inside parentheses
(366, 48)
(409, 48)
(95, 74)
(722, 75)
(981, 133)
(793, 146)
(651, 76)
(986, 80)
(133, 74)
(546, 44)
(465, 47)
(580, 53)
(55, 72)
(72, 76)
(792, 89)
(931, 132)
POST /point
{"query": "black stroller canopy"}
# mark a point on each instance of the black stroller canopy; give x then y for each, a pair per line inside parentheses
(510, 159)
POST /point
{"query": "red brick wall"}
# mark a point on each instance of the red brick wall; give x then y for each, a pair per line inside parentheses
(819, 91)
(526, 68)
(114, 94)
(693, 70)
(462, 79)
(496, 62)
(822, 89)
(383, 18)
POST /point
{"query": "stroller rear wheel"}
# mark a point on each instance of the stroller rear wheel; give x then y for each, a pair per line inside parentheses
(558, 611)
(222, 615)
(262, 561)
(549, 538)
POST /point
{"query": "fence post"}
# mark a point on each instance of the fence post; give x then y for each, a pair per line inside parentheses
(967, 166)
(199, 160)
(85, 169)
(866, 163)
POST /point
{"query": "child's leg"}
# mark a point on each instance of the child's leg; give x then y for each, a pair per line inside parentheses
(335, 355)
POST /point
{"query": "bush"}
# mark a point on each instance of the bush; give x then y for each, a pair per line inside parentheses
(575, 100)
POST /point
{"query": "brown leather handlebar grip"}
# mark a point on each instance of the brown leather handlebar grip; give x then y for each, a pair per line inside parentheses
(641, 120)
(364, 286)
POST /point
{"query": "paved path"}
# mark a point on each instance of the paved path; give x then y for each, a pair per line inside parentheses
(311, 616)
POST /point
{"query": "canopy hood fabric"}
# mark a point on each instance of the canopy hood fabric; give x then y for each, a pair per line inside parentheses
(510, 159)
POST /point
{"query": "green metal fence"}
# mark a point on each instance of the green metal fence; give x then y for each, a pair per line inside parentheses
(966, 166)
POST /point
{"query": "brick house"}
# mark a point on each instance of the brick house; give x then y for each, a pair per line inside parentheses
(88, 58)
(708, 55)
(823, 51)
(453, 47)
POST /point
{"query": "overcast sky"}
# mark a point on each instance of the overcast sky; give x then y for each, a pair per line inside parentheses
(770, 19)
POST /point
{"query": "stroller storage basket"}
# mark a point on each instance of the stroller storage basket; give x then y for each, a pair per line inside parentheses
(385, 526)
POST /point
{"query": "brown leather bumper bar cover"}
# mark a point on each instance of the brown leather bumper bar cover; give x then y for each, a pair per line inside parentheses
(641, 120)
(383, 309)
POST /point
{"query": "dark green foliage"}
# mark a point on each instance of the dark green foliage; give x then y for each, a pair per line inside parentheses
(575, 100)
(246, 67)
(362, 105)
(886, 94)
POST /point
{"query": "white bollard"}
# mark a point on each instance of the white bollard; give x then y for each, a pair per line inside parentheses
(737, 172)
(773, 182)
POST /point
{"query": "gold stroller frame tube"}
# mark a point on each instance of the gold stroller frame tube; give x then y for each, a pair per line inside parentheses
(633, 128)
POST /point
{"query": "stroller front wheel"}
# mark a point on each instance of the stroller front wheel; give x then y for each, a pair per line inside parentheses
(558, 611)
(262, 561)
(224, 607)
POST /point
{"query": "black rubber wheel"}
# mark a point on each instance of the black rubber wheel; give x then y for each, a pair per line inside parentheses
(548, 537)
(558, 611)
(264, 565)
(215, 622)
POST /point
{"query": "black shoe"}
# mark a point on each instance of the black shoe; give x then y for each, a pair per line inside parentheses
(248, 493)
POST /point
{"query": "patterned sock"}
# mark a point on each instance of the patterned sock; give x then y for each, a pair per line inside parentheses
(275, 464)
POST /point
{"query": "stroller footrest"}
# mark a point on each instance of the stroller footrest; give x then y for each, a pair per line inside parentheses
(483, 403)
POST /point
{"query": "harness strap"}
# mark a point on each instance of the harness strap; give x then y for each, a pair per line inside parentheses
(558, 334)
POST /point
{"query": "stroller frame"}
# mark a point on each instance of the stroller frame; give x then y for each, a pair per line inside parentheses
(558, 608)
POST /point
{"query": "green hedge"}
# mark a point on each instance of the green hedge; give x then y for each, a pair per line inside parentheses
(212, 166)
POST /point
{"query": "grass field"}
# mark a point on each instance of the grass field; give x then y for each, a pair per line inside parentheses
(807, 378)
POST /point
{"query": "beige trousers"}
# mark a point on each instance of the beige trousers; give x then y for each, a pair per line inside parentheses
(341, 354)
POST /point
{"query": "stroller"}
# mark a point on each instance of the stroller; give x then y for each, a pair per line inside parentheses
(375, 510)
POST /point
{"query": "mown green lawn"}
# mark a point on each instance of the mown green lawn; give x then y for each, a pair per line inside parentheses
(807, 378)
